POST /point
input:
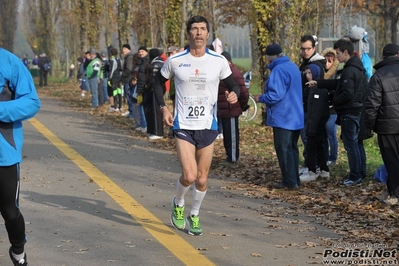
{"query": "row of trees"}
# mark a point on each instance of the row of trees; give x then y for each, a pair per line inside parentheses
(76, 25)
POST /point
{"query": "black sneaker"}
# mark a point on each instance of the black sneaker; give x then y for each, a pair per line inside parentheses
(280, 185)
(350, 182)
(22, 262)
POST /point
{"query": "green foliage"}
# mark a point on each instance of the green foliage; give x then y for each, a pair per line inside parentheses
(243, 64)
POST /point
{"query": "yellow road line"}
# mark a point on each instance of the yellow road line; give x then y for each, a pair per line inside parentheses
(164, 234)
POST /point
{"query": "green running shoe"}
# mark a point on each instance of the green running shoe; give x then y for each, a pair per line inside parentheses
(195, 226)
(177, 216)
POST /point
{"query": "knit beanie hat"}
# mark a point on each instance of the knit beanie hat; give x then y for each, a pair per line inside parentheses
(390, 49)
(273, 49)
(315, 69)
(126, 45)
(154, 52)
(142, 48)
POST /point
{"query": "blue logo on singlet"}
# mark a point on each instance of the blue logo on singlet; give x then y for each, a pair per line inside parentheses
(184, 65)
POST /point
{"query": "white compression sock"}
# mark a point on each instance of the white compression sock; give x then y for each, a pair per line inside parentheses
(180, 193)
(19, 256)
(198, 197)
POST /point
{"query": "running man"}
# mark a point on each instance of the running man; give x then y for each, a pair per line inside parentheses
(197, 72)
(18, 102)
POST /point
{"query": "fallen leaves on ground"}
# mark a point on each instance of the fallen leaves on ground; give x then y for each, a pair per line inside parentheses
(352, 212)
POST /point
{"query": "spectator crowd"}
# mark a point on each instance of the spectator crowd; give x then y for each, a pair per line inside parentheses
(325, 91)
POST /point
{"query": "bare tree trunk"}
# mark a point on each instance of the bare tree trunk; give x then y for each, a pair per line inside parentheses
(93, 24)
(8, 22)
(213, 20)
(47, 10)
(254, 51)
(82, 20)
(387, 29)
(394, 29)
(106, 12)
(183, 23)
(124, 22)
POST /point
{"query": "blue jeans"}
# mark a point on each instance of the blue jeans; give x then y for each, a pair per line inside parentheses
(83, 84)
(104, 85)
(93, 85)
(350, 126)
(331, 147)
(139, 117)
(286, 146)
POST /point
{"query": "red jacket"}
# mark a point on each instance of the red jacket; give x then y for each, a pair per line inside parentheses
(225, 109)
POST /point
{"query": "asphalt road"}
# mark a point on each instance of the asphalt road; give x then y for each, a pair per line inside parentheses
(94, 195)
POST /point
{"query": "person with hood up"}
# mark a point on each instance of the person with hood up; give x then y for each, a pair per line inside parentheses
(331, 140)
(348, 103)
(318, 115)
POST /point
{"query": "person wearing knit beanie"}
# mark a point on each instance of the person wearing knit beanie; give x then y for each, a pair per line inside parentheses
(127, 46)
(153, 53)
(273, 49)
(142, 48)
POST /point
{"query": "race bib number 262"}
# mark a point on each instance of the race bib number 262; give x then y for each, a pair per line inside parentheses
(195, 107)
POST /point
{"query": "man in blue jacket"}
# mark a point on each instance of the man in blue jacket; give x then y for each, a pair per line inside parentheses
(283, 99)
(18, 102)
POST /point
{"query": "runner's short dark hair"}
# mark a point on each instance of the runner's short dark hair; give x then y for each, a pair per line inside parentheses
(197, 19)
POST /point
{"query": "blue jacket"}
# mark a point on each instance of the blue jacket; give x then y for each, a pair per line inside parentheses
(283, 95)
(18, 102)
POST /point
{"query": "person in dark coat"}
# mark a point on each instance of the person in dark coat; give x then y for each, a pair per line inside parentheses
(153, 114)
(229, 113)
(127, 74)
(318, 114)
(309, 55)
(43, 60)
(348, 103)
(381, 114)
